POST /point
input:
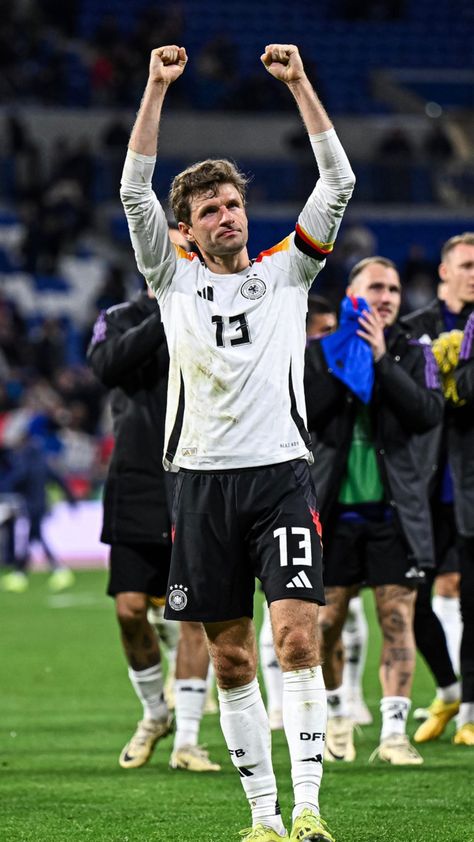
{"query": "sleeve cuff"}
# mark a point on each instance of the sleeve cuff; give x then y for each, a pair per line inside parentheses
(147, 159)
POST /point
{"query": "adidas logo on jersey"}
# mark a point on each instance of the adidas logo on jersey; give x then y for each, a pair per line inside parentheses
(207, 293)
(299, 581)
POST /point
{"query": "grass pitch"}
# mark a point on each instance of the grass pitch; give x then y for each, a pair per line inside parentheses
(67, 709)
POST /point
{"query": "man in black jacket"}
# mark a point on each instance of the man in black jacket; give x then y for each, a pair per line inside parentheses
(372, 497)
(448, 323)
(129, 355)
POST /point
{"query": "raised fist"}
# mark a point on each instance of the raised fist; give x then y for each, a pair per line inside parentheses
(283, 61)
(167, 64)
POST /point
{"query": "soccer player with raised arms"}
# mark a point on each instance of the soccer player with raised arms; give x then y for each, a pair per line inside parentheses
(244, 503)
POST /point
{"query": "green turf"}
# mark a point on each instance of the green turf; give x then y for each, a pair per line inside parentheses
(67, 709)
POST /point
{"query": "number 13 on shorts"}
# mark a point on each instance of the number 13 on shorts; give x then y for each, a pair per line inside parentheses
(304, 544)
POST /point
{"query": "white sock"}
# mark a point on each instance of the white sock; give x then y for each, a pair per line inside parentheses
(355, 638)
(394, 710)
(448, 612)
(466, 714)
(148, 685)
(190, 696)
(304, 720)
(244, 723)
(271, 671)
(449, 694)
(337, 702)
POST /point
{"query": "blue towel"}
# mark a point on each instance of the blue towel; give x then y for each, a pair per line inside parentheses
(349, 356)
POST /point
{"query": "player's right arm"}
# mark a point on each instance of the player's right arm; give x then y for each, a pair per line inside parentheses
(320, 219)
(156, 258)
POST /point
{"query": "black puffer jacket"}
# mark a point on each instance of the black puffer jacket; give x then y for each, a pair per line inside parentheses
(128, 354)
(458, 438)
(406, 402)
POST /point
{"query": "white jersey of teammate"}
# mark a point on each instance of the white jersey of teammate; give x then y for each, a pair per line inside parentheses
(236, 342)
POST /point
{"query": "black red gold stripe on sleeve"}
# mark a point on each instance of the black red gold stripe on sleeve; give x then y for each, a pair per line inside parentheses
(309, 246)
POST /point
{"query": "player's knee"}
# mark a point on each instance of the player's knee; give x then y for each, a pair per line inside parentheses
(396, 621)
(447, 585)
(297, 647)
(233, 666)
(131, 614)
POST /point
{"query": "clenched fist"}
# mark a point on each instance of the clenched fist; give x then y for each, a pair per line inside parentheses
(283, 61)
(167, 64)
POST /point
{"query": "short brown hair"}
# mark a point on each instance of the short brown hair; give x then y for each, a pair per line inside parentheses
(467, 238)
(367, 261)
(205, 176)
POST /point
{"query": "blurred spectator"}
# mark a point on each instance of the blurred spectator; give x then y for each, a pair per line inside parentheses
(28, 474)
(78, 385)
(80, 166)
(216, 75)
(113, 290)
(48, 344)
(79, 454)
(437, 145)
(116, 134)
(12, 331)
(394, 161)
(419, 279)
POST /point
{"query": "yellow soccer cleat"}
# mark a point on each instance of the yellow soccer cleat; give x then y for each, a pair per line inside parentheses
(262, 833)
(339, 745)
(464, 736)
(193, 759)
(15, 582)
(61, 579)
(309, 827)
(140, 748)
(398, 751)
(440, 714)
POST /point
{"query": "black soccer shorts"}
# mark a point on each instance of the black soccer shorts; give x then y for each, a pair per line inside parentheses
(139, 568)
(230, 527)
(372, 553)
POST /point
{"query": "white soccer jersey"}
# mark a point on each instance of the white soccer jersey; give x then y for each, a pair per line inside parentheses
(236, 342)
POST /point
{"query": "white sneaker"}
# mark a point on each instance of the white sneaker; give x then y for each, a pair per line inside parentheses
(398, 751)
(339, 740)
(193, 759)
(140, 748)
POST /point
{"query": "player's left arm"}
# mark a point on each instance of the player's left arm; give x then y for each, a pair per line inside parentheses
(320, 219)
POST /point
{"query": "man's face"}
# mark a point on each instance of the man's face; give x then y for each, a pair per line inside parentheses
(219, 225)
(380, 286)
(321, 324)
(457, 273)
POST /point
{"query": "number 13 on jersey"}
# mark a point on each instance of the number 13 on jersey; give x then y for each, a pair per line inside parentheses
(281, 535)
(237, 325)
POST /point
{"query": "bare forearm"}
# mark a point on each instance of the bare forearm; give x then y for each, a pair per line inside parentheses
(310, 107)
(144, 137)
